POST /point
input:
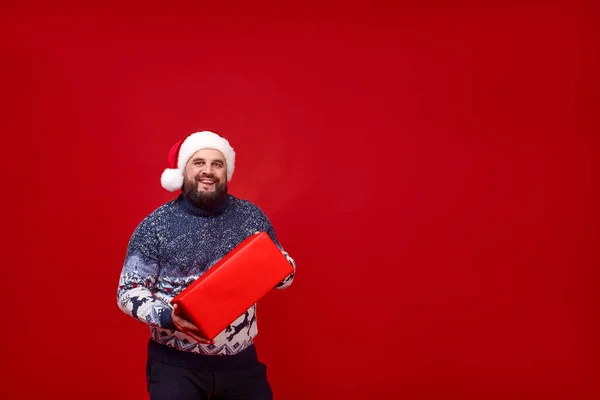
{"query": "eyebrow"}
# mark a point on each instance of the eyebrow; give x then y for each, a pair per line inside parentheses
(202, 159)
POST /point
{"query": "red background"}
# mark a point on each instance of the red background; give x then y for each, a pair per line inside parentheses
(433, 170)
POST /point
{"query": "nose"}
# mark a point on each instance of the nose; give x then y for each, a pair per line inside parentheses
(208, 169)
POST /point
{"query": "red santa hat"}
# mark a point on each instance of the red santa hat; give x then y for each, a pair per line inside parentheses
(172, 178)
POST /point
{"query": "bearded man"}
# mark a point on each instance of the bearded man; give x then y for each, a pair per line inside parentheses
(170, 249)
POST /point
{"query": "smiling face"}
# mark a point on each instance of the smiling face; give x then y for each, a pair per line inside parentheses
(205, 178)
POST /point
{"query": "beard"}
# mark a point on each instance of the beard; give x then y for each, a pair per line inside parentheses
(204, 199)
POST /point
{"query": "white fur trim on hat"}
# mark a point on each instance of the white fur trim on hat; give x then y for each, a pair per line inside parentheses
(172, 179)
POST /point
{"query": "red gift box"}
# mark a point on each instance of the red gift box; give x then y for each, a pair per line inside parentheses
(232, 285)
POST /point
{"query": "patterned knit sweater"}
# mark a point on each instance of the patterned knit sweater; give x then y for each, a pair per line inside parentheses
(171, 248)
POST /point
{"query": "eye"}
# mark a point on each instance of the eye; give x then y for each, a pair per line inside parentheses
(199, 163)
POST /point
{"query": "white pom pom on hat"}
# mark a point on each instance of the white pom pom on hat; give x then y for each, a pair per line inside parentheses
(172, 178)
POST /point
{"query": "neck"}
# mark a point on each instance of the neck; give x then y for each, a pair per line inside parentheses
(193, 209)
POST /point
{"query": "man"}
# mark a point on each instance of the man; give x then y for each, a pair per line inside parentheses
(171, 248)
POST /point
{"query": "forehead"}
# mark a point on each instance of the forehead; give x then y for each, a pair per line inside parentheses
(208, 154)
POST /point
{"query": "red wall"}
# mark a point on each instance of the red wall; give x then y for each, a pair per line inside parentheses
(433, 170)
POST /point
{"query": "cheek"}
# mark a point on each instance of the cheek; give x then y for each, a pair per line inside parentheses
(191, 173)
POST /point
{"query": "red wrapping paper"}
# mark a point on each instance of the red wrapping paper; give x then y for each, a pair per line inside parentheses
(232, 285)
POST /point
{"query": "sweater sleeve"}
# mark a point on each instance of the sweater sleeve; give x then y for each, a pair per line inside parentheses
(288, 280)
(135, 294)
(271, 232)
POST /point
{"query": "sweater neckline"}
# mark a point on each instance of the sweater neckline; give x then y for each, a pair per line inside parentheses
(193, 209)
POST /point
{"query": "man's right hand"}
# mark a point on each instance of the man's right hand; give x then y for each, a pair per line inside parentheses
(186, 326)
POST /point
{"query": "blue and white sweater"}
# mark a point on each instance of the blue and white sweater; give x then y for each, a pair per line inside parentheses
(170, 249)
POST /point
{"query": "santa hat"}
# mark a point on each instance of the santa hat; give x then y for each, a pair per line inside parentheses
(172, 178)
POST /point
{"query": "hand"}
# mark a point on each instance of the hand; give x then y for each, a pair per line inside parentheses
(184, 325)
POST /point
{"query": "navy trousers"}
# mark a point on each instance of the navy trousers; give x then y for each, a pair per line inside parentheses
(238, 377)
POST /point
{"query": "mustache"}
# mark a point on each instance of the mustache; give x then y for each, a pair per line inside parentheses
(209, 176)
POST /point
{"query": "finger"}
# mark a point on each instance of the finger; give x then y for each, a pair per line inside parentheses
(187, 327)
(176, 309)
(187, 324)
(183, 325)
